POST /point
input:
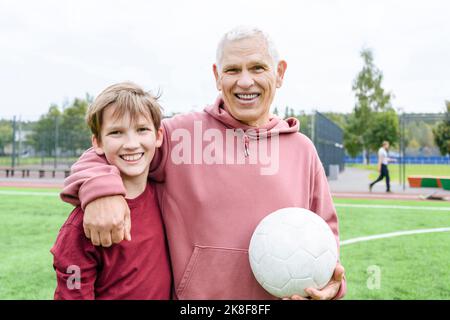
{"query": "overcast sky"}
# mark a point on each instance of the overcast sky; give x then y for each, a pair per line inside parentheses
(54, 51)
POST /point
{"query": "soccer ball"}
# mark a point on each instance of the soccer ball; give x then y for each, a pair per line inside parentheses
(292, 249)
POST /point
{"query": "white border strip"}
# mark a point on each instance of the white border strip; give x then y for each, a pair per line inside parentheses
(391, 235)
(380, 206)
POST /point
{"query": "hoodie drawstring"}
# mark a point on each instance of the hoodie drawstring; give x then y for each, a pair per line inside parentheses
(246, 145)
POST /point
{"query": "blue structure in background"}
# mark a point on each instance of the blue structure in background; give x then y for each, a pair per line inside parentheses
(406, 159)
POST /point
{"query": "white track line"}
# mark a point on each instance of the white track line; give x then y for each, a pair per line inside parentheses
(391, 235)
(28, 193)
(380, 206)
(342, 205)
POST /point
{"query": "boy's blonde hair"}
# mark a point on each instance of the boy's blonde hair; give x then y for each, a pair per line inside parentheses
(126, 97)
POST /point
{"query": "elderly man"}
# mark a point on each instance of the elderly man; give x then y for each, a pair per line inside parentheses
(220, 171)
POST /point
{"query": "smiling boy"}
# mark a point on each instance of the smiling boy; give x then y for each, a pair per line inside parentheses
(125, 124)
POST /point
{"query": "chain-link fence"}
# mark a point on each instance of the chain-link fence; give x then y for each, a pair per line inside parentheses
(409, 124)
(31, 148)
(328, 137)
(55, 143)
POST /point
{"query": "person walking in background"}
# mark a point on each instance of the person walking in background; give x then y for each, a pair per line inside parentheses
(383, 161)
(212, 203)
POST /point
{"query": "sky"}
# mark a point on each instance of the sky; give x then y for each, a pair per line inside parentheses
(54, 51)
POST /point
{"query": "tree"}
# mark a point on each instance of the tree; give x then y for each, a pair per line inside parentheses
(419, 134)
(305, 123)
(291, 113)
(384, 126)
(76, 134)
(365, 130)
(43, 138)
(5, 134)
(340, 119)
(65, 130)
(413, 144)
(442, 132)
(286, 112)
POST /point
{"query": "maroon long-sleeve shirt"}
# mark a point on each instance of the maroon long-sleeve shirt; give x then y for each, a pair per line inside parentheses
(136, 269)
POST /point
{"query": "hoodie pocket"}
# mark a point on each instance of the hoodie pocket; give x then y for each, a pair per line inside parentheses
(219, 273)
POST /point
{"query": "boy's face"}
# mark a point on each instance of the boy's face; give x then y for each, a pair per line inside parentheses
(128, 146)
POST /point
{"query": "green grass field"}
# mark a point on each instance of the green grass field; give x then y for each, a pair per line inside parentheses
(410, 170)
(409, 267)
(35, 161)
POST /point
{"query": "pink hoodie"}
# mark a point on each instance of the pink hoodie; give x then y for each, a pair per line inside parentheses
(214, 192)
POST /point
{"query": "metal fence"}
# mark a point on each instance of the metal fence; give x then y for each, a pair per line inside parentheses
(328, 138)
(52, 147)
(56, 148)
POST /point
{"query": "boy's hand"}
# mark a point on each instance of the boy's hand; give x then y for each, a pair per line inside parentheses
(326, 293)
(107, 220)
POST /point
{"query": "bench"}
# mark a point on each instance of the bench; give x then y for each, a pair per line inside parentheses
(426, 181)
(25, 172)
(11, 171)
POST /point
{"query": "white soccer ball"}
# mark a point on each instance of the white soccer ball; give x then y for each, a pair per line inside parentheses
(292, 249)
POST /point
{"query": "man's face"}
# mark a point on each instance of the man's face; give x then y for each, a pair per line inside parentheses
(248, 80)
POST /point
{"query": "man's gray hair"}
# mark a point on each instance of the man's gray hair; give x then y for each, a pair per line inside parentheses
(244, 32)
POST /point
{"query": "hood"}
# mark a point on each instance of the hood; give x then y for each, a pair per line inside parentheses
(276, 125)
